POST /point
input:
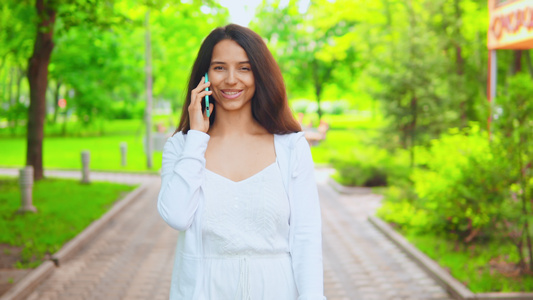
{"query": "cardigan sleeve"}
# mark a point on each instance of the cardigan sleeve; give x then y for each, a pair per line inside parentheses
(306, 249)
(182, 174)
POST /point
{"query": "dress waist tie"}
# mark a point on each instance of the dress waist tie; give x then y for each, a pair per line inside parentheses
(244, 280)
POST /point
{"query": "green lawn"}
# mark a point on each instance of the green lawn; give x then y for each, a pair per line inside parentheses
(65, 153)
(338, 143)
(103, 140)
(347, 133)
(475, 267)
(65, 208)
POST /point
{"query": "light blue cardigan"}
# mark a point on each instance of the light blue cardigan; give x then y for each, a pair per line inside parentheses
(181, 199)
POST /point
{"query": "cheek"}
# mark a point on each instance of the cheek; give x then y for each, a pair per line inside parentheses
(250, 82)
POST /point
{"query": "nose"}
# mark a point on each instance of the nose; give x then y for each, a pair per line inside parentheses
(231, 77)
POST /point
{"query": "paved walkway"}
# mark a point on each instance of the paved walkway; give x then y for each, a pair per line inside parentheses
(129, 178)
(132, 258)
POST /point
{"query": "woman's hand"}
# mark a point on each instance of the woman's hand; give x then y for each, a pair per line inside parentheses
(197, 118)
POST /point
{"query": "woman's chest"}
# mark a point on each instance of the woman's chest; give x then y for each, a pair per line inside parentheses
(255, 206)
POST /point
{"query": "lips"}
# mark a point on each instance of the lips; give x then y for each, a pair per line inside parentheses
(231, 94)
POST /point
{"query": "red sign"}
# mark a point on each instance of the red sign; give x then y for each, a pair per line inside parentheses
(511, 24)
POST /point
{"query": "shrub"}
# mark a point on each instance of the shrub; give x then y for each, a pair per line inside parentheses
(399, 210)
(369, 167)
(461, 185)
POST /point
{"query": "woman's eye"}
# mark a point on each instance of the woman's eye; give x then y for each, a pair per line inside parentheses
(217, 68)
(245, 69)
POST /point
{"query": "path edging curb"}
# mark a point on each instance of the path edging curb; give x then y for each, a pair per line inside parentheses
(26, 286)
(443, 278)
(72, 246)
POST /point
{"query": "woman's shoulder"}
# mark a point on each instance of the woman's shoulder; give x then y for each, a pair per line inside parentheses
(175, 141)
(290, 140)
(178, 139)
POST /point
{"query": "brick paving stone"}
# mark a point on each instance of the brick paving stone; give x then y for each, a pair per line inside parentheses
(133, 256)
(131, 259)
(366, 264)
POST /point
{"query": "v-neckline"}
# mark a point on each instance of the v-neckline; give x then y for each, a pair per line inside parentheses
(246, 179)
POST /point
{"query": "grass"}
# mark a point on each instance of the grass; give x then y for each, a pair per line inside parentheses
(474, 266)
(103, 140)
(338, 143)
(347, 133)
(65, 208)
(65, 153)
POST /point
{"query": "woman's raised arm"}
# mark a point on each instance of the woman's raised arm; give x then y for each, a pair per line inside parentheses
(182, 174)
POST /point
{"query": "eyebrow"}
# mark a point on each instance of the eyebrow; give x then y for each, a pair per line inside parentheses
(223, 63)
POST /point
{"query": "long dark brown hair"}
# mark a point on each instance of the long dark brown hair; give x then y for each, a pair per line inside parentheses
(270, 107)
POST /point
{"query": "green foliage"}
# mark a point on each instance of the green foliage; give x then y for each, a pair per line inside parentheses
(401, 213)
(315, 48)
(370, 166)
(98, 56)
(482, 268)
(460, 184)
(338, 143)
(355, 173)
(515, 127)
(65, 208)
(428, 64)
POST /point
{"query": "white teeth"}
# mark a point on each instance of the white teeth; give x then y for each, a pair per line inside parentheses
(231, 93)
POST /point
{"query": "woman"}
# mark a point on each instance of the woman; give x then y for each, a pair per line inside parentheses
(239, 184)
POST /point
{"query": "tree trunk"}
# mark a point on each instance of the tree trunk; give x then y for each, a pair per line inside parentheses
(318, 92)
(38, 80)
(517, 62)
(527, 56)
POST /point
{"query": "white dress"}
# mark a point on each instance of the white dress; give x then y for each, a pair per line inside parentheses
(245, 234)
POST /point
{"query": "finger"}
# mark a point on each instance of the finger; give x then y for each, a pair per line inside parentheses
(196, 100)
(202, 86)
(202, 94)
(211, 107)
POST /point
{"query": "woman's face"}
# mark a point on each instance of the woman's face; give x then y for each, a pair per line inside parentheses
(231, 77)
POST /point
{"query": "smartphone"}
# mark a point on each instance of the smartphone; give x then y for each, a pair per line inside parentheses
(207, 97)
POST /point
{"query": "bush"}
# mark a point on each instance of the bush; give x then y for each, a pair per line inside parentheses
(126, 110)
(356, 173)
(370, 167)
(399, 210)
(461, 185)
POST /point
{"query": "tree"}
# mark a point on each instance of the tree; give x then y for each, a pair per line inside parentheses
(314, 47)
(38, 80)
(515, 128)
(83, 21)
(15, 47)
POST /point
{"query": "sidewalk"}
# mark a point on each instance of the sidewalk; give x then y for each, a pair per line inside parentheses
(128, 178)
(132, 258)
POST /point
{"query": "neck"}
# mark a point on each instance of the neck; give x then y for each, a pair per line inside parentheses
(235, 123)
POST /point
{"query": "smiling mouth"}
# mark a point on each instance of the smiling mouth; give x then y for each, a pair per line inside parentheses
(231, 94)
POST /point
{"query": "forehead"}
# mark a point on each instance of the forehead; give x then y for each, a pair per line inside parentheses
(228, 51)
